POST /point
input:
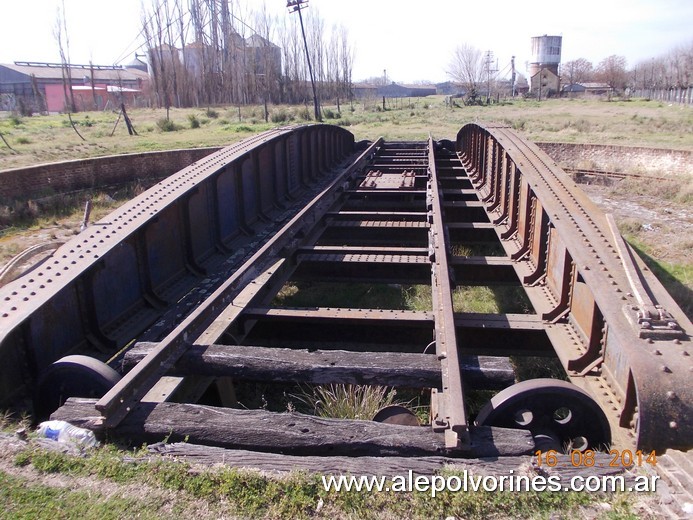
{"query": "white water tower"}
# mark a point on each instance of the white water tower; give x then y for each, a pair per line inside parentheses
(546, 54)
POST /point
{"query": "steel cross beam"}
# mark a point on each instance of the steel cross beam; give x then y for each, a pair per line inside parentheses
(449, 414)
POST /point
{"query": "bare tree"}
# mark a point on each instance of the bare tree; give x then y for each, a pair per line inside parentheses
(667, 77)
(576, 71)
(63, 41)
(467, 67)
(222, 51)
(612, 71)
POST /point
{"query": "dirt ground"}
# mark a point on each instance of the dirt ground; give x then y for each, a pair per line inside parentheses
(665, 226)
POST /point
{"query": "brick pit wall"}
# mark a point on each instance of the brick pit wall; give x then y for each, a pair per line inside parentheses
(38, 181)
(625, 159)
(46, 179)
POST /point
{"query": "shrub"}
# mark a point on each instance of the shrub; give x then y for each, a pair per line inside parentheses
(347, 401)
(304, 114)
(280, 116)
(166, 125)
(194, 122)
(211, 113)
(15, 120)
(328, 113)
(23, 140)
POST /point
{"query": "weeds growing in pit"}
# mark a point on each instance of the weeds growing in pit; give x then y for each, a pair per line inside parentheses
(347, 401)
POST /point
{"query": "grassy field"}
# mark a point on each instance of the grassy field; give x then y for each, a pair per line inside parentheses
(41, 139)
(109, 483)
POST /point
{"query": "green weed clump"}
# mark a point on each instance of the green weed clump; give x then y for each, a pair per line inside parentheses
(347, 401)
(304, 114)
(167, 125)
(194, 121)
(328, 113)
(280, 116)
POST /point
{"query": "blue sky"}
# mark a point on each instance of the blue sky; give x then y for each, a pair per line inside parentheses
(411, 40)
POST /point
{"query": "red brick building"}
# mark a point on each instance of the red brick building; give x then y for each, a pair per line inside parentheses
(40, 87)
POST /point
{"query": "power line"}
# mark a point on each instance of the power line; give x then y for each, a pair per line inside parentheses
(127, 49)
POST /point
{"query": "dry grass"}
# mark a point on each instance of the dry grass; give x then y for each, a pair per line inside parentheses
(41, 139)
(346, 401)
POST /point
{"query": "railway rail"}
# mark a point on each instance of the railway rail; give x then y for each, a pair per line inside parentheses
(182, 292)
(584, 174)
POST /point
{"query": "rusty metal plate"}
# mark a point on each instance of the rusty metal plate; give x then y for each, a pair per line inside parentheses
(380, 180)
(555, 271)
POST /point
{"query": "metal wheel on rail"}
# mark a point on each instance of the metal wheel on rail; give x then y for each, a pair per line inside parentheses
(560, 415)
(72, 376)
(396, 414)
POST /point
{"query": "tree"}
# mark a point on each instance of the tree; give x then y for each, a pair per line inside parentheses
(467, 66)
(577, 71)
(221, 51)
(63, 41)
(612, 71)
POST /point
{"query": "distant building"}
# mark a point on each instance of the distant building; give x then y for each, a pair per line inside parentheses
(587, 88)
(255, 55)
(450, 88)
(263, 57)
(393, 90)
(38, 86)
(545, 83)
(364, 90)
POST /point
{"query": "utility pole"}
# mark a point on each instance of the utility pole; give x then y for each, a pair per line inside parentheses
(512, 77)
(299, 5)
(489, 70)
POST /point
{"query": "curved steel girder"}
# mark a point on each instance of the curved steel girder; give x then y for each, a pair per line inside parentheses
(55, 302)
(650, 376)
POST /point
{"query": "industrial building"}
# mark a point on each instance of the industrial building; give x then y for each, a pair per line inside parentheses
(41, 87)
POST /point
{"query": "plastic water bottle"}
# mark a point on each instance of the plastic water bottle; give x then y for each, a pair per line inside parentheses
(65, 432)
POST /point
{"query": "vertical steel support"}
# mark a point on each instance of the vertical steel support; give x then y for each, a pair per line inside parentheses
(451, 415)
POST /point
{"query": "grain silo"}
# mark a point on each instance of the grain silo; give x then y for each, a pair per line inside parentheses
(546, 54)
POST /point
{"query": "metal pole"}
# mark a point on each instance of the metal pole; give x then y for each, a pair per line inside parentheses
(297, 5)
